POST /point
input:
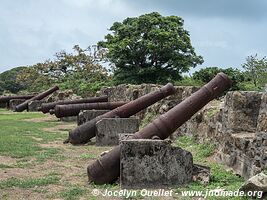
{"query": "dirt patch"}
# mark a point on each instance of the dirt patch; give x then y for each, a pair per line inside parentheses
(6, 160)
(61, 127)
(46, 118)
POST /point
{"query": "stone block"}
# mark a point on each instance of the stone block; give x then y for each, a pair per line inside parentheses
(262, 118)
(154, 164)
(33, 106)
(241, 110)
(87, 115)
(125, 136)
(69, 119)
(3, 105)
(108, 130)
(14, 102)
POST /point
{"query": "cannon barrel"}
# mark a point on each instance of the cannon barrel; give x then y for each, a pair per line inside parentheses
(74, 109)
(24, 105)
(6, 99)
(86, 131)
(46, 107)
(107, 168)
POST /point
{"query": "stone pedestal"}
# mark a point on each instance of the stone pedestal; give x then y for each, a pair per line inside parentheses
(69, 119)
(262, 118)
(154, 164)
(87, 115)
(3, 105)
(108, 130)
(14, 102)
(33, 106)
(241, 110)
(125, 136)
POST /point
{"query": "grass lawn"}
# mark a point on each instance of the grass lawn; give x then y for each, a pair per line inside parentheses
(35, 164)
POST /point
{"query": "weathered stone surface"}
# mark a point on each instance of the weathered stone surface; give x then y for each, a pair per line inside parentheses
(33, 106)
(201, 173)
(14, 102)
(262, 118)
(238, 128)
(130, 92)
(62, 95)
(108, 130)
(256, 183)
(87, 115)
(3, 105)
(154, 164)
(125, 136)
(241, 110)
(69, 119)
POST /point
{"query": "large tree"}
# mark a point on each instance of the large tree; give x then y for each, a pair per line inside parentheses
(150, 49)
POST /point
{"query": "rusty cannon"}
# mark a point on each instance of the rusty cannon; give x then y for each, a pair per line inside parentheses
(83, 133)
(24, 105)
(107, 168)
(46, 107)
(74, 109)
(6, 99)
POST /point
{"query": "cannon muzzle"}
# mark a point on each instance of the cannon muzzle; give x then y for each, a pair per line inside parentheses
(83, 133)
(107, 168)
(24, 105)
(74, 109)
(45, 107)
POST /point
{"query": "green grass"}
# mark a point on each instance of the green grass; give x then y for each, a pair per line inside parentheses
(149, 117)
(88, 156)
(199, 151)
(3, 166)
(31, 182)
(18, 136)
(73, 192)
(220, 177)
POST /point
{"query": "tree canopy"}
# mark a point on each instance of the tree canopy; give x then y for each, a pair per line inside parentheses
(149, 49)
(206, 74)
(256, 70)
(80, 71)
(8, 80)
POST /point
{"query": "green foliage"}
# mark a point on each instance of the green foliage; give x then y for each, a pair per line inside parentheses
(188, 81)
(80, 71)
(8, 80)
(256, 70)
(206, 74)
(148, 118)
(149, 49)
(220, 177)
(200, 151)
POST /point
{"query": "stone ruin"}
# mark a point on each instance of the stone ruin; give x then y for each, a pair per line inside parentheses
(126, 92)
(238, 126)
(154, 164)
(236, 123)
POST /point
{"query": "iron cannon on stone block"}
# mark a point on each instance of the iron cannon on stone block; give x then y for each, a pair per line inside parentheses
(46, 107)
(83, 133)
(106, 169)
(74, 109)
(24, 105)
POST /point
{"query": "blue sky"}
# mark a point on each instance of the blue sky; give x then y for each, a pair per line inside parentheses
(224, 32)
